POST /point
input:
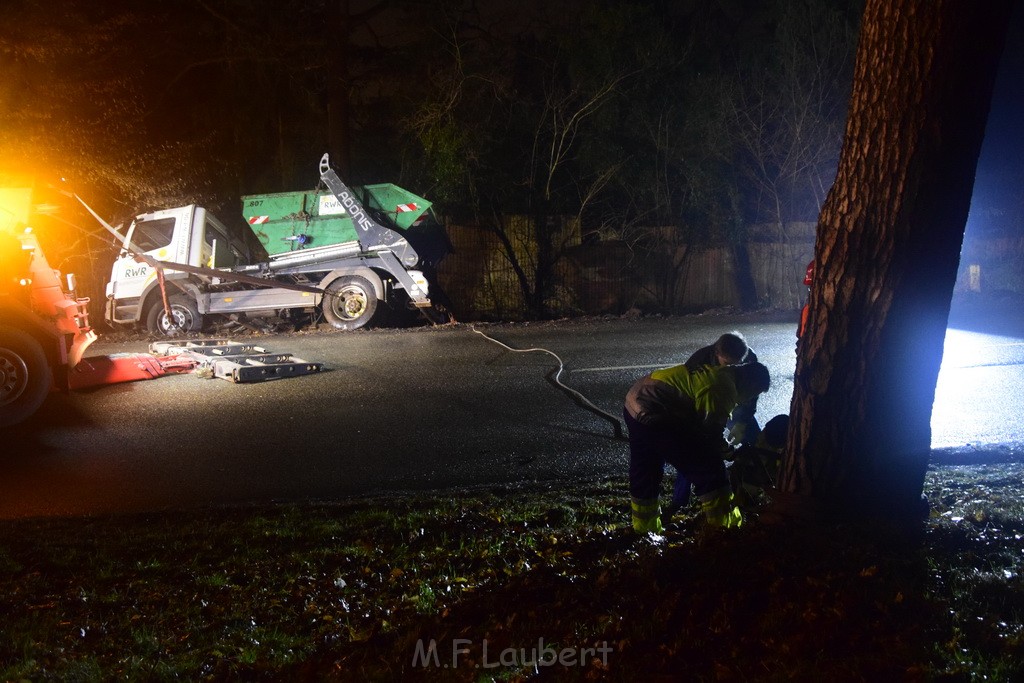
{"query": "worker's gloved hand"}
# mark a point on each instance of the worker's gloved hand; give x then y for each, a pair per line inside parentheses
(726, 450)
(736, 433)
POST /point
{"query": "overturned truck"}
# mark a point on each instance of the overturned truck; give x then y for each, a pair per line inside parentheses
(351, 254)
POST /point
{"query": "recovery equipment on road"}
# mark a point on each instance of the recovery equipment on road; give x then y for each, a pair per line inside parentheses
(234, 361)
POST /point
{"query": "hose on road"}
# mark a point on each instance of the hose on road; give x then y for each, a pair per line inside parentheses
(555, 377)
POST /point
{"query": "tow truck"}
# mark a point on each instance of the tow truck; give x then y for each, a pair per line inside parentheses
(44, 326)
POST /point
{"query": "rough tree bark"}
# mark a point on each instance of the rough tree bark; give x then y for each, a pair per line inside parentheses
(887, 252)
(340, 25)
(339, 141)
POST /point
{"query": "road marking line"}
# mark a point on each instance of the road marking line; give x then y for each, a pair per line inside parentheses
(622, 367)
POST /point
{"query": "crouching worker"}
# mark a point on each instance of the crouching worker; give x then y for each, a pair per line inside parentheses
(678, 416)
(755, 468)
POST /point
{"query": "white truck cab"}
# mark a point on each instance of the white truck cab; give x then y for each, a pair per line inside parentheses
(189, 235)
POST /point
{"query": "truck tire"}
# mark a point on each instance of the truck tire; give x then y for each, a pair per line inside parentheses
(25, 376)
(184, 317)
(349, 302)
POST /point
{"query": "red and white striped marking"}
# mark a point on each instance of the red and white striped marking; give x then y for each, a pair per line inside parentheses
(403, 208)
(258, 220)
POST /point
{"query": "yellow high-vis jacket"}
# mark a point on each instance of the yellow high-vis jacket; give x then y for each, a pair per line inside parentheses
(702, 398)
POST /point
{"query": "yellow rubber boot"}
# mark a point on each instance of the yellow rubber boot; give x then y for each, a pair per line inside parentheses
(646, 516)
(720, 509)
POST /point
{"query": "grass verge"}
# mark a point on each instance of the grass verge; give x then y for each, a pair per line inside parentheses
(516, 583)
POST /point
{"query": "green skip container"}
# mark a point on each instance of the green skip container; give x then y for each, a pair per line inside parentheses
(290, 221)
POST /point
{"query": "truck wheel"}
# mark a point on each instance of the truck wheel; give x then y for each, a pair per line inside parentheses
(184, 317)
(349, 302)
(25, 376)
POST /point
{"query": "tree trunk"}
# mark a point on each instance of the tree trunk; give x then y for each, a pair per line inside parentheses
(746, 286)
(888, 246)
(339, 142)
(542, 271)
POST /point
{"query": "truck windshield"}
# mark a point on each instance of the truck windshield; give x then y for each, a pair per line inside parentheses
(149, 235)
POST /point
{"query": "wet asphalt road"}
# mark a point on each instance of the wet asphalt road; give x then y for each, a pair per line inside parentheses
(427, 408)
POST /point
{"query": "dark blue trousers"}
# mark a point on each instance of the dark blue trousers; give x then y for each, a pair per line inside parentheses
(695, 456)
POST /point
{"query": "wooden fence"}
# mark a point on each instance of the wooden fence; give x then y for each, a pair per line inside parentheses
(992, 266)
(654, 272)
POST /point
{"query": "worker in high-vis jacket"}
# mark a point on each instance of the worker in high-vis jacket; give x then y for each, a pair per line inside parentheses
(677, 416)
(742, 428)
